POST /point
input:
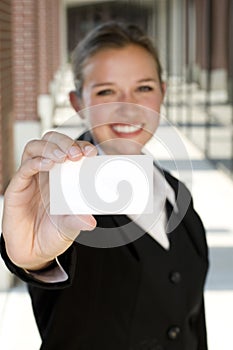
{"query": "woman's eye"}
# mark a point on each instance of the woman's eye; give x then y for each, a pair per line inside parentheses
(145, 88)
(105, 92)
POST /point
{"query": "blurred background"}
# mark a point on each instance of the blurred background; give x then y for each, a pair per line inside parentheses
(195, 42)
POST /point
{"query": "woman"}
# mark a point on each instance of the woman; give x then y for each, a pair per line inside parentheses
(142, 295)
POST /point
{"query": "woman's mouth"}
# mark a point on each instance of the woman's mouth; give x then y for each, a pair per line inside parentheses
(126, 130)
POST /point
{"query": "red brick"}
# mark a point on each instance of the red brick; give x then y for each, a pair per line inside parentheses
(6, 138)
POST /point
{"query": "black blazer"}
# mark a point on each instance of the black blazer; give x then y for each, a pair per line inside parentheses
(137, 296)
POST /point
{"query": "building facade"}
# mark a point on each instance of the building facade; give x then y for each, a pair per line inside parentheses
(29, 57)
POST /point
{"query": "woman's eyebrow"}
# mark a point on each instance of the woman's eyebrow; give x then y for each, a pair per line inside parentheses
(101, 84)
(147, 80)
(108, 83)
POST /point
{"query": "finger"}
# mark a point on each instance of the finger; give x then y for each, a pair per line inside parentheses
(88, 149)
(58, 147)
(61, 140)
(42, 148)
(69, 226)
(73, 149)
(27, 170)
(65, 144)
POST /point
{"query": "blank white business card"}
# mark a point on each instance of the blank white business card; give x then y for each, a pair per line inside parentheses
(119, 184)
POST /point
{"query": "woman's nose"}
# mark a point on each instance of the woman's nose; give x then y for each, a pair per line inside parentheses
(127, 97)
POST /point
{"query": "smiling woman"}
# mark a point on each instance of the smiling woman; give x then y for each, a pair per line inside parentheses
(139, 295)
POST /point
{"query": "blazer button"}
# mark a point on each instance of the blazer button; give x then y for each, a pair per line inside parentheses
(173, 332)
(175, 277)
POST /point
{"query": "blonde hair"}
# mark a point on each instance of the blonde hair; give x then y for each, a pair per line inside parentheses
(110, 35)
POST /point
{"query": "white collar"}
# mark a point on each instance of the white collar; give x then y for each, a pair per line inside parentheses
(155, 224)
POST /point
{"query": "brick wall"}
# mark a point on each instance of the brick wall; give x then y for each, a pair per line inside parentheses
(25, 63)
(44, 45)
(6, 139)
(36, 52)
(29, 57)
(48, 42)
(56, 59)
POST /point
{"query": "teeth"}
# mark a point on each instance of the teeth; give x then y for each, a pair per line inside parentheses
(126, 128)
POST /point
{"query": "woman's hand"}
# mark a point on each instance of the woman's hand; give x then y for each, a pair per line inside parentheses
(34, 237)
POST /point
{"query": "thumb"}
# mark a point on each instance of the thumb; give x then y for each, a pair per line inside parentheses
(71, 225)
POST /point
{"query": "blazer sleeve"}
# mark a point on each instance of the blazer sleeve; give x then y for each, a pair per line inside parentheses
(67, 261)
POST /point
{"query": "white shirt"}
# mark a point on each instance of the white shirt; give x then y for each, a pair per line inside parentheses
(155, 224)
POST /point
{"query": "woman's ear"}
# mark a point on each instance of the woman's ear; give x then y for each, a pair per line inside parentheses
(75, 101)
(163, 88)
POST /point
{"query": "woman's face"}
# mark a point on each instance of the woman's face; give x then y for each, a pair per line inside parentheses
(127, 75)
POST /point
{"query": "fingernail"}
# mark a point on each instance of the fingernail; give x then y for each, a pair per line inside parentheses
(74, 152)
(88, 149)
(46, 161)
(59, 154)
